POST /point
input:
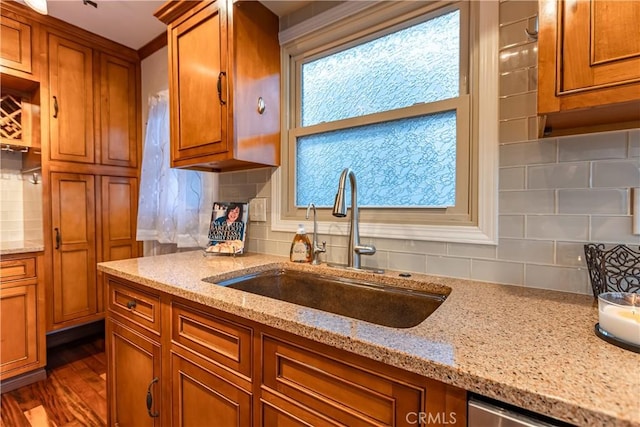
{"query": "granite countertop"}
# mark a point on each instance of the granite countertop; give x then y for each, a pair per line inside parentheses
(21, 247)
(529, 347)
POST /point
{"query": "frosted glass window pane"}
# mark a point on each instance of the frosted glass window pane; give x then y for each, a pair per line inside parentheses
(401, 163)
(413, 65)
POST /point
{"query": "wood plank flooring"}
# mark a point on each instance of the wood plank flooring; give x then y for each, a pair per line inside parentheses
(74, 393)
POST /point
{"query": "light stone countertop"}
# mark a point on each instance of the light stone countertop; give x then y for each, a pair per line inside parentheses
(532, 348)
(20, 247)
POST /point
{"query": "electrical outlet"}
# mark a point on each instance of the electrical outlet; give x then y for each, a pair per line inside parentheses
(258, 209)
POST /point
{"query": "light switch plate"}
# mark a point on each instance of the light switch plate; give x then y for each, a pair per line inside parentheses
(258, 209)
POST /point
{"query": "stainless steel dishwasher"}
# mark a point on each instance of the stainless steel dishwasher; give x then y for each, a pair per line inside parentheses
(485, 414)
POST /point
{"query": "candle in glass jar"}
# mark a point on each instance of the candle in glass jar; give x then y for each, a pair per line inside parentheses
(621, 322)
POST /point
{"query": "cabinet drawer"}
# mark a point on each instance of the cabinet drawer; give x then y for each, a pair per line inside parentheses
(344, 392)
(220, 340)
(16, 269)
(140, 307)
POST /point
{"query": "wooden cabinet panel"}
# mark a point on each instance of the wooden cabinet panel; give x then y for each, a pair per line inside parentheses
(134, 362)
(214, 338)
(74, 259)
(16, 269)
(136, 306)
(22, 327)
(18, 327)
(198, 87)
(346, 393)
(589, 64)
(71, 124)
(119, 217)
(118, 112)
(15, 49)
(201, 398)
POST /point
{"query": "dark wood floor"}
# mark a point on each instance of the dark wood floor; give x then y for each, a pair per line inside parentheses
(74, 394)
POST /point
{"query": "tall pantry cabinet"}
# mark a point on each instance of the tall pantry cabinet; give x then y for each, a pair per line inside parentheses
(93, 167)
(90, 131)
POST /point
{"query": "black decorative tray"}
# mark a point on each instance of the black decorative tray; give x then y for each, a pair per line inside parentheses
(611, 339)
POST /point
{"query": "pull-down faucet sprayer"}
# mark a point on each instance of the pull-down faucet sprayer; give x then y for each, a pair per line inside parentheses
(340, 211)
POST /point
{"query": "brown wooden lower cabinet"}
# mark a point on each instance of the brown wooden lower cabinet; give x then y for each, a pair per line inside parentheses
(204, 377)
(22, 334)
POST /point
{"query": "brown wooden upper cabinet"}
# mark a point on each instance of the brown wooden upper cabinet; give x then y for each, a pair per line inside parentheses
(71, 121)
(224, 83)
(18, 58)
(589, 64)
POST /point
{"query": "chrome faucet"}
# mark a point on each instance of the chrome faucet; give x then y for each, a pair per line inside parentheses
(340, 211)
(317, 250)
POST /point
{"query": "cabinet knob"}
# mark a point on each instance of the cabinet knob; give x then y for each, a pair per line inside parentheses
(261, 105)
(131, 304)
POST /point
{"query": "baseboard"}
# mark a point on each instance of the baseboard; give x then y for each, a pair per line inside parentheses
(64, 336)
(23, 380)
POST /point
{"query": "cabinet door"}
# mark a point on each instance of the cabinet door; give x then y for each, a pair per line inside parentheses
(134, 366)
(199, 85)
(71, 124)
(118, 112)
(15, 49)
(18, 327)
(600, 44)
(74, 253)
(119, 216)
(201, 398)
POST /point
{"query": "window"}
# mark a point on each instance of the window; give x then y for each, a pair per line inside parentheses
(391, 92)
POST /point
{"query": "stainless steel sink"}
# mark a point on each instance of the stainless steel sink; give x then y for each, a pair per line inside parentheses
(379, 304)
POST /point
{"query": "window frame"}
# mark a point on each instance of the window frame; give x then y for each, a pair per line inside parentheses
(474, 219)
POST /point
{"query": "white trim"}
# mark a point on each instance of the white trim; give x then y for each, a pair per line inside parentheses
(487, 230)
(323, 19)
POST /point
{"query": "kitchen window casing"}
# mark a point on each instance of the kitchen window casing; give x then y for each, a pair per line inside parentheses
(472, 218)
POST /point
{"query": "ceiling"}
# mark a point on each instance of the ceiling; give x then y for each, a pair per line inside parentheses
(131, 22)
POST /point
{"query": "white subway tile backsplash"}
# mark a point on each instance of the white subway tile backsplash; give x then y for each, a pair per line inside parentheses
(529, 201)
(558, 227)
(612, 229)
(513, 34)
(616, 173)
(517, 106)
(590, 201)
(570, 254)
(497, 271)
(471, 251)
(528, 153)
(567, 279)
(405, 262)
(448, 266)
(523, 56)
(514, 82)
(511, 225)
(562, 175)
(539, 251)
(512, 178)
(410, 246)
(513, 130)
(634, 143)
(597, 146)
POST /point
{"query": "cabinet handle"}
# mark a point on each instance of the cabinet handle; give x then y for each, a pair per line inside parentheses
(58, 238)
(131, 304)
(222, 101)
(55, 107)
(150, 400)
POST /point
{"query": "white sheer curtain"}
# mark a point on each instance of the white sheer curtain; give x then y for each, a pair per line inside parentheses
(174, 204)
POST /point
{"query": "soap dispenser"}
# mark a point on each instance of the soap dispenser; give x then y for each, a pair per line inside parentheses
(301, 250)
